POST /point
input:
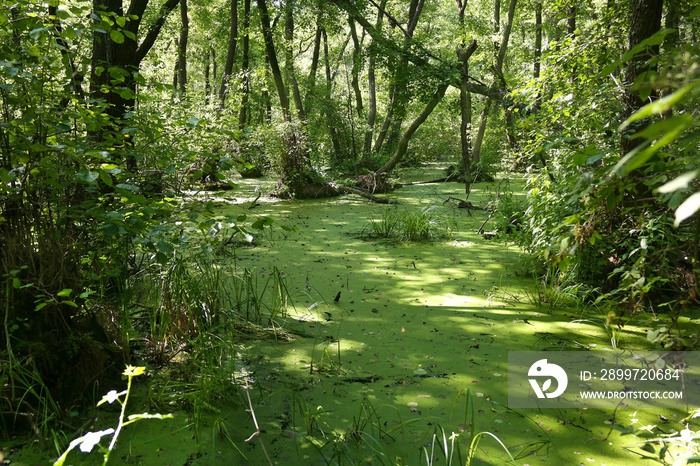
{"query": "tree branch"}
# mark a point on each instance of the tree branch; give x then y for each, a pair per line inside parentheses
(154, 30)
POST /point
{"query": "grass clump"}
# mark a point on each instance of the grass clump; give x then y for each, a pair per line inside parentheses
(411, 225)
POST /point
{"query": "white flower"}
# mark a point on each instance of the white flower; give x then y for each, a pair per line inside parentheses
(111, 397)
(93, 438)
(687, 435)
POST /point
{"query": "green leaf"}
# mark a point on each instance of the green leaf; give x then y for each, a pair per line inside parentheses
(192, 122)
(65, 292)
(105, 178)
(167, 248)
(121, 21)
(116, 36)
(161, 258)
(688, 208)
(262, 222)
(129, 187)
(16, 283)
(659, 106)
(662, 127)
(679, 183)
(35, 33)
(70, 303)
(88, 177)
(639, 155)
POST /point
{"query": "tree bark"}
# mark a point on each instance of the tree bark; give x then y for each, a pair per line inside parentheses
(478, 141)
(230, 53)
(646, 21)
(465, 102)
(356, 65)
(182, 49)
(400, 97)
(538, 40)
(289, 72)
(372, 87)
(207, 75)
(272, 58)
(313, 70)
(125, 54)
(330, 118)
(402, 146)
(243, 112)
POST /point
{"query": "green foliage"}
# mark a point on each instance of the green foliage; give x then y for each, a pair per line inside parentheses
(599, 219)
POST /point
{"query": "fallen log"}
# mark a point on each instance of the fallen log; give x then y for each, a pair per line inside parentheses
(365, 194)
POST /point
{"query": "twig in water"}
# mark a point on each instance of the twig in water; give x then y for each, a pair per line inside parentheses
(255, 421)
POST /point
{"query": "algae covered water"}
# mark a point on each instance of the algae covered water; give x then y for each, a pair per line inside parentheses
(390, 352)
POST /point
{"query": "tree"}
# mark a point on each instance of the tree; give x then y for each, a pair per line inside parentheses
(230, 52)
(646, 21)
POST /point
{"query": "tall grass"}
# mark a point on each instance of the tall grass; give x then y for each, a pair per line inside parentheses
(411, 224)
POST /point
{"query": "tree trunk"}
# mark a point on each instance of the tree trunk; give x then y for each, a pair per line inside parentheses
(125, 54)
(571, 18)
(646, 21)
(402, 146)
(315, 56)
(400, 96)
(207, 75)
(538, 40)
(356, 65)
(372, 88)
(272, 58)
(230, 53)
(182, 49)
(243, 112)
(332, 127)
(478, 141)
(176, 68)
(465, 103)
(289, 72)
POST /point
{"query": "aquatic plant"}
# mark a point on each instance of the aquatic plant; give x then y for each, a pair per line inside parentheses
(411, 225)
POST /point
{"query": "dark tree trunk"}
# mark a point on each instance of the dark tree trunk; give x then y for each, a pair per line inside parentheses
(311, 79)
(400, 95)
(330, 118)
(465, 103)
(125, 54)
(207, 76)
(646, 21)
(182, 49)
(272, 59)
(289, 72)
(571, 18)
(402, 146)
(356, 65)
(245, 99)
(372, 87)
(230, 53)
(538, 40)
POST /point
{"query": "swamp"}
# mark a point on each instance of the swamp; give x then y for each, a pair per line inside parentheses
(331, 232)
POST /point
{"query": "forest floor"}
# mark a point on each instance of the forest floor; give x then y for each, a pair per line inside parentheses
(417, 331)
